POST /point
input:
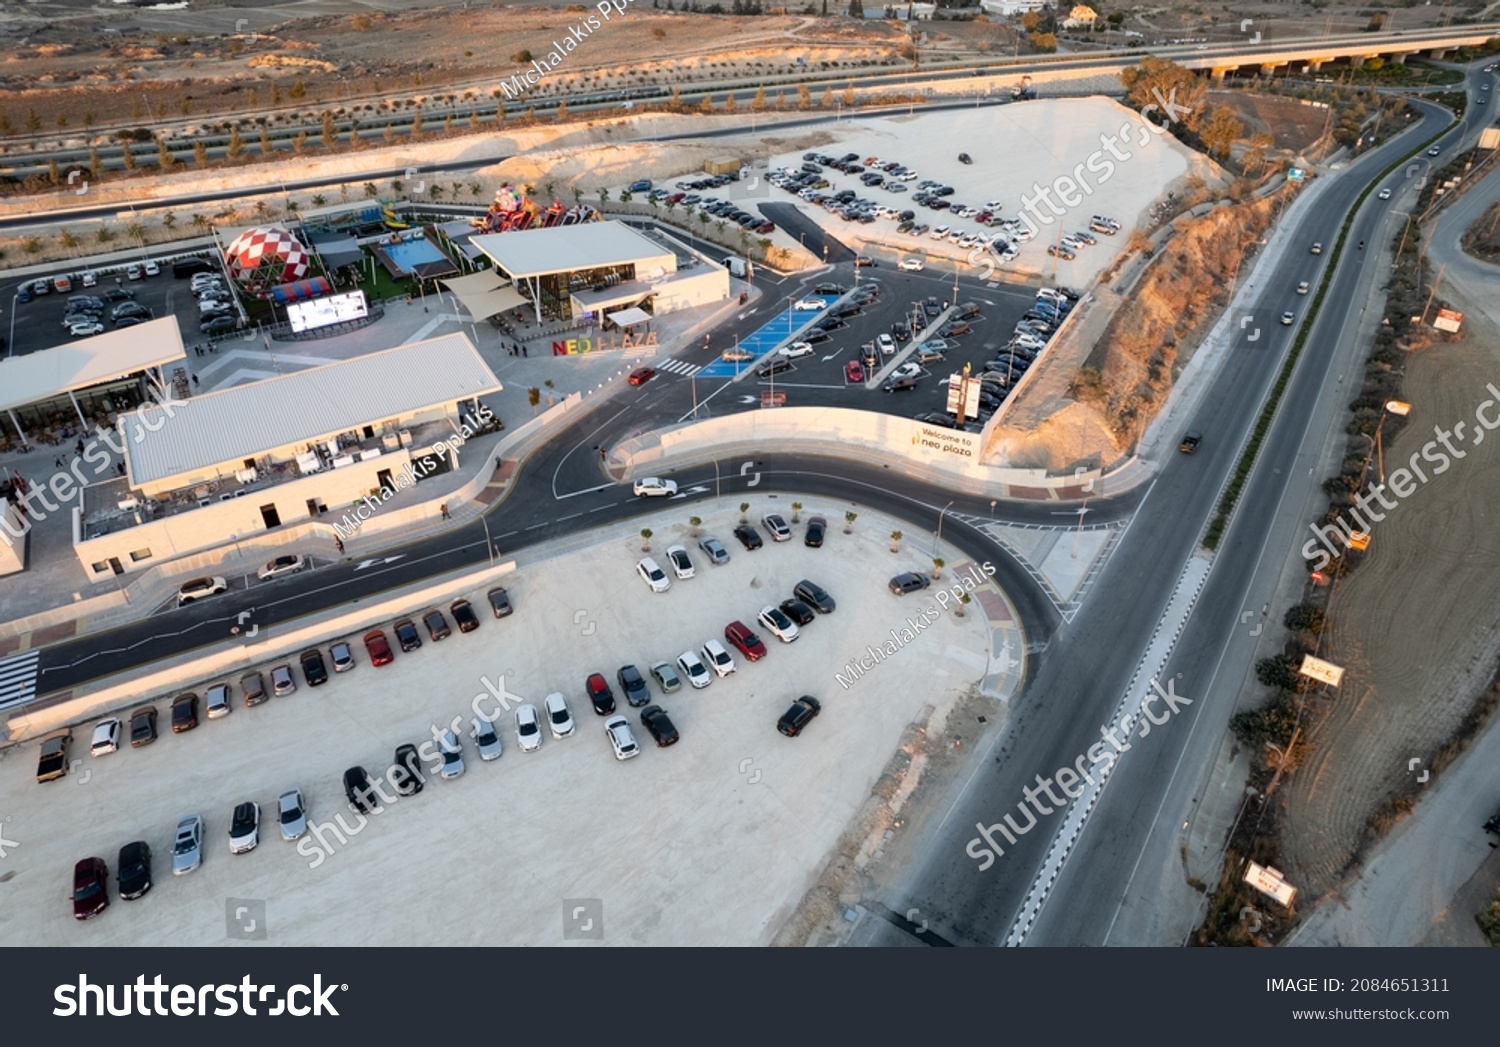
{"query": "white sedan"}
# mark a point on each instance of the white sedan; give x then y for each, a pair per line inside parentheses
(652, 487)
(779, 623)
(808, 305)
(528, 731)
(693, 668)
(290, 564)
(796, 349)
(911, 265)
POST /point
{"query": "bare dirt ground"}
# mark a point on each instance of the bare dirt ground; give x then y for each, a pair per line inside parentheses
(1417, 627)
(1293, 125)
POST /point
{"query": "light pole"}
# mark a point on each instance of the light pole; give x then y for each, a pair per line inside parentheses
(938, 534)
(488, 545)
(717, 492)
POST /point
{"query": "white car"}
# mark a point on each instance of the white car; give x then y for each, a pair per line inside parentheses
(85, 329)
(654, 487)
(152, 269)
(908, 176)
(808, 305)
(290, 564)
(907, 370)
(993, 206)
(132, 272)
(528, 729)
(558, 717)
(682, 565)
(780, 532)
(453, 755)
(693, 668)
(1385, 194)
(652, 574)
(1302, 288)
(292, 814)
(187, 845)
(911, 265)
(199, 588)
(719, 659)
(620, 738)
(796, 349)
(486, 738)
(779, 623)
(886, 344)
(106, 737)
(1287, 319)
(940, 233)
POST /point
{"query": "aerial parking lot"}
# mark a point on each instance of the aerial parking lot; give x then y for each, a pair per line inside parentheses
(712, 840)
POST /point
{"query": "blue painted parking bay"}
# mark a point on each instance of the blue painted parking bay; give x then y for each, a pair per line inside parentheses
(775, 331)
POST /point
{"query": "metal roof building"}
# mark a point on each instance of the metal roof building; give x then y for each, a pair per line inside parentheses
(78, 365)
(570, 248)
(215, 433)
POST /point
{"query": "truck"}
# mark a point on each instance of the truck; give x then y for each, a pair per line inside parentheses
(53, 760)
(736, 266)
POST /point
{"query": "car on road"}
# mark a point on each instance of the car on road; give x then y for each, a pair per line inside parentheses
(244, 828)
(1385, 194)
(748, 536)
(817, 527)
(407, 635)
(718, 658)
(743, 639)
(1302, 288)
(796, 349)
(779, 622)
(486, 738)
(908, 582)
(528, 728)
(911, 265)
(665, 676)
(864, 262)
(641, 375)
(499, 602)
(1434, 151)
(90, 888)
(737, 355)
(291, 814)
(815, 596)
(654, 487)
(198, 588)
(854, 372)
(106, 737)
(134, 871)
(633, 685)
(797, 611)
(187, 845)
(652, 574)
(659, 725)
(378, 648)
(1190, 442)
(621, 738)
(143, 726)
(1287, 318)
(452, 752)
(289, 564)
(803, 711)
(808, 304)
(559, 720)
(600, 696)
(1317, 248)
(714, 549)
(693, 668)
(184, 713)
(774, 523)
(437, 625)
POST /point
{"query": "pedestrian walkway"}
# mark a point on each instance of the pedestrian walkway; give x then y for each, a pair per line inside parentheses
(18, 679)
(681, 367)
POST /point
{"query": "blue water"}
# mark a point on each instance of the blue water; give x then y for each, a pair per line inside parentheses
(409, 254)
(776, 330)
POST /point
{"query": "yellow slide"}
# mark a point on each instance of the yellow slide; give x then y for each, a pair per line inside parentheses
(391, 222)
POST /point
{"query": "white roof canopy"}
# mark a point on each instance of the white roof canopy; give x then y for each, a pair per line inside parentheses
(89, 361)
(485, 293)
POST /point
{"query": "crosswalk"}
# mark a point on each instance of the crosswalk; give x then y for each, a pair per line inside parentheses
(18, 679)
(681, 367)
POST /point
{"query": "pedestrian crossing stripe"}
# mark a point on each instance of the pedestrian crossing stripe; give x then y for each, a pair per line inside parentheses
(681, 367)
(18, 679)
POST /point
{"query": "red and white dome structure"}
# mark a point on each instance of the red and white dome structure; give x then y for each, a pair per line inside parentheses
(266, 257)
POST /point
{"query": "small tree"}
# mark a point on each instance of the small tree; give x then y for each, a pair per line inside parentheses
(958, 608)
(849, 519)
(646, 539)
(796, 511)
(695, 522)
(744, 512)
(533, 397)
(895, 541)
(938, 563)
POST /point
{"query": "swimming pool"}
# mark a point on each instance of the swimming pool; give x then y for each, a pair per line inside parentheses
(409, 254)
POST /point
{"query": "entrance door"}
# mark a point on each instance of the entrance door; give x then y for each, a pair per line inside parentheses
(269, 514)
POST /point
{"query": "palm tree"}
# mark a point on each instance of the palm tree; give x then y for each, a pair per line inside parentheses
(744, 512)
(895, 541)
(533, 397)
(603, 197)
(199, 222)
(764, 243)
(938, 563)
(849, 519)
(695, 522)
(646, 539)
(796, 509)
(319, 199)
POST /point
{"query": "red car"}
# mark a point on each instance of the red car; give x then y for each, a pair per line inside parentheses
(745, 641)
(90, 888)
(676, 198)
(854, 372)
(600, 694)
(641, 375)
(380, 650)
(766, 227)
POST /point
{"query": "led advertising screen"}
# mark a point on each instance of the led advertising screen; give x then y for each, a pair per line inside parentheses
(320, 312)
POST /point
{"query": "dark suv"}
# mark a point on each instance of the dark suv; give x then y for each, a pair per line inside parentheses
(802, 713)
(1190, 442)
(313, 667)
(634, 685)
(90, 888)
(184, 713)
(406, 774)
(407, 635)
(357, 790)
(815, 596)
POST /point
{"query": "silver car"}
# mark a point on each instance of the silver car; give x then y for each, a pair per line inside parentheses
(453, 755)
(558, 717)
(621, 739)
(187, 847)
(528, 729)
(693, 668)
(486, 738)
(293, 814)
(715, 550)
(282, 680)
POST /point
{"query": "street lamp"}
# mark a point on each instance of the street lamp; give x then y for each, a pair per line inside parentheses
(488, 545)
(938, 534)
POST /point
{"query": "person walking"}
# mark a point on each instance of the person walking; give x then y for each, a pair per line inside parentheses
(444, 510)
(338, 543)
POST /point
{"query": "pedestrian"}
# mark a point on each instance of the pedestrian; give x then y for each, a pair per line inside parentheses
(121, 468)
(523, 350)
(339, 544)
(213, 347)
(195, 380)
(58, 462)
(79, 446)
(444, 509)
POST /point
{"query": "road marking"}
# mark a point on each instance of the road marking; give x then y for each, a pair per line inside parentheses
(18, 679)
(388, 559)
(586, 490)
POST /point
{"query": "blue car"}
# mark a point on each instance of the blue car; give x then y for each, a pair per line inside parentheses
(641, 186)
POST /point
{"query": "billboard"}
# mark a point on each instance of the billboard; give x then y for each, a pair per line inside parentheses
(1449, 320)
(320, 312)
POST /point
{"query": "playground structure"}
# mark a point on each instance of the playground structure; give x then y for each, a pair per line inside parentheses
(393, 222)
(512, 209)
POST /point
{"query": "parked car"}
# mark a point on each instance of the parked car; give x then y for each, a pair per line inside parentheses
(693, 668)
(665, 676)
(797, 611)
(559, 720)
(244, 828)
(218, 324)
(184, 713)
(803, 711)
(90, 888)
(407, 635)
(437, 625)
(748, 536)
(282, 681)
(357, 790)
(779, 363)
(378, 648)
(815, 596)
(744, 640)
(499, 602)
(342, 657)
(621, 739)
(134, 870)
(718, 658)
(654, 487)
(854, 372)
(292, 814)
(652, 574)
(602, 698)
(406, 772)
(253, 685)
(715, 550)
(289, 564)
(777, 526)
(452, 752)
(198, 588)
(633, 684)
(682, 565)
(143, 726)
(659, 725)
(908, 582)
(106, 737)
(187, 845)
(486, 738)
(817, 527)
(779, 623)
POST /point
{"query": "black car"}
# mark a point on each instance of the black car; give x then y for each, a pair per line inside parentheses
(656, 721)
(815, 596)
(900, 332)
(812, 337)
(1190, 442)
(831, 323)
(184, 713)
(602, 698)
(797, 611)
(437, 625)
(186, 267)
(908, 582)
(134, 872)
(965, 158)
(357, 790)
(119, 294)
(313, 667)
(464, 615)
(802, 713)
(499, 602)
(817, 527)
(932, 307)
(143, 727)
(407, 635)
(893, 385)
(749, 537)
(406, 773)
(634, 685)
(830, 288)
